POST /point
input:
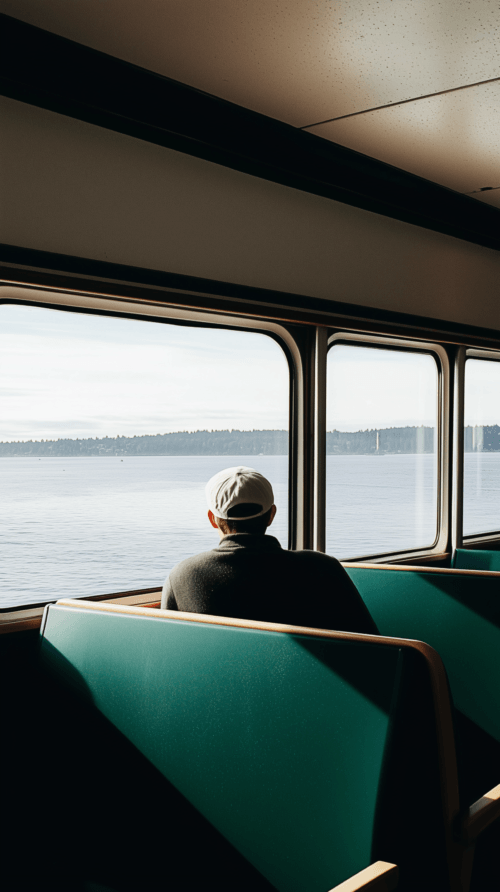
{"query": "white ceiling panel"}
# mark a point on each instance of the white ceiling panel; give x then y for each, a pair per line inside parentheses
(453, 139)
(301, 61)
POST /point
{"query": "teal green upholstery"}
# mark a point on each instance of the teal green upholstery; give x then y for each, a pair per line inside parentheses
(458, 614)
(476, 559)
(278, 739)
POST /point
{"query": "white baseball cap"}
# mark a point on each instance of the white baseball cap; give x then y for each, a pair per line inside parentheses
(237, 486)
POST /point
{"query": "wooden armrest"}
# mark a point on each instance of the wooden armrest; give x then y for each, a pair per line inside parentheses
(378, 877)
(480, 815)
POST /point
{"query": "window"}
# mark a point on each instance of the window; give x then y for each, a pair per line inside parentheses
(382, 456)
(481, 510)
(110, 428)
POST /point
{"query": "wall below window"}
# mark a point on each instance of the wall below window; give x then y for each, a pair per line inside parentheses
(74, 188)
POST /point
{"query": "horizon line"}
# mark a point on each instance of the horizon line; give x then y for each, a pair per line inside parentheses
(223, 431)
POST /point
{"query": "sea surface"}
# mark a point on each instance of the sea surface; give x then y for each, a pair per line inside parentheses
(73, 527)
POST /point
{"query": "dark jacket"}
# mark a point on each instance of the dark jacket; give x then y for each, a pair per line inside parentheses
(253, 577)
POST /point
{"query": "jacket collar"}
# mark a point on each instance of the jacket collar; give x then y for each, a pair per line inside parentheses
(249, 542)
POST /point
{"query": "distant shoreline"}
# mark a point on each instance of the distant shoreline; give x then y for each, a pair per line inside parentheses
(383, 441)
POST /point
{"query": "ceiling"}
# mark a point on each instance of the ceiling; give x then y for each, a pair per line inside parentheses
(414, 83)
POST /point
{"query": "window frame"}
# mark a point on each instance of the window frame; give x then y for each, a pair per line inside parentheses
(476, 538)
(14, 618)
(444, 465)
(305, 343)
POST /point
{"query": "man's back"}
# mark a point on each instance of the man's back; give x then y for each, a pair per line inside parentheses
(251, 577)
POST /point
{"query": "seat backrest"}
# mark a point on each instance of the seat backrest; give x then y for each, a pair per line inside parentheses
(457, 613)
(278, 735)
(476, 559)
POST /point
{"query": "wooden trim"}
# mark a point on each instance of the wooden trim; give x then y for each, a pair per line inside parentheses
(405, 568)
(426, 558)
(143, 596)
(480, 815)
(140, 595)
(31, 618)
(481, 541)
(378, 877)
(21, 620)
(234, 622)
(137, 600)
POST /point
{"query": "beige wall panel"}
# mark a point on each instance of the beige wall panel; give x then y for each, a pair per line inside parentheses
(70, 187)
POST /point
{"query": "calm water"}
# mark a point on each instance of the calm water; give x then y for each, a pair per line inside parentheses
(81, 526)
(86, 526)
(380, 503)
(481, 492)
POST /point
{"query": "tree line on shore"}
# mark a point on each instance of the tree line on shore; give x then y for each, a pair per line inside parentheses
(384, 441)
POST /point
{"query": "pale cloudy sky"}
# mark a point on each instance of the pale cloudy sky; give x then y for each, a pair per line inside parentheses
(74, 375)
(372, 387)
(482, 392)
(375, 388)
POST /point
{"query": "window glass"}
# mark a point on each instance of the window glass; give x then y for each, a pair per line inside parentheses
(382, 412)
(481, 447)
(110, 429)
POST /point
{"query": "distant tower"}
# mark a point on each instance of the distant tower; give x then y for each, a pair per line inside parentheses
(477, 438)
(378, 443)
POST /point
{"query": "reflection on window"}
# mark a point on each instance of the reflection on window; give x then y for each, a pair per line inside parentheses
(481, 447)
(382, 411)
(109, 430)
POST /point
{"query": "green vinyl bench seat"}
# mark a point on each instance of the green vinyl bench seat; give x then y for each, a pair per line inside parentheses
(476, 559)
(457, 612)
(314, 753)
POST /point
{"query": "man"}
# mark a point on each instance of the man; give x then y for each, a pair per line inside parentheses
(250, 576)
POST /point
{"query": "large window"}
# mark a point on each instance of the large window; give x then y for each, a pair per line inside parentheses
(481, 447)
(382, 468)
(109, 430)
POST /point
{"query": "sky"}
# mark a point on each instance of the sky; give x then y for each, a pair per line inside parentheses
(369, 387)
(482, 392)
(76, 375)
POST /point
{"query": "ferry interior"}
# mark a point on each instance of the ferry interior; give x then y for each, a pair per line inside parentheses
(325, 175)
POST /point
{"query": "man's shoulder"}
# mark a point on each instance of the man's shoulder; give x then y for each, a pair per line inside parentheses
(319, 558)
(315, 561)
(195, 562)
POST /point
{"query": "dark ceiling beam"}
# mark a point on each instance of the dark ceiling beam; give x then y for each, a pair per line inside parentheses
(52, 72)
